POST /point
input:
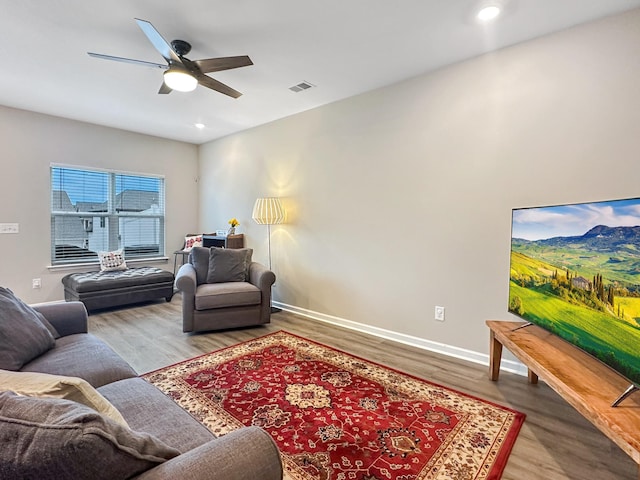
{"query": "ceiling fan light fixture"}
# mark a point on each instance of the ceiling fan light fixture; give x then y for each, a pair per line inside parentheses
(179, 80)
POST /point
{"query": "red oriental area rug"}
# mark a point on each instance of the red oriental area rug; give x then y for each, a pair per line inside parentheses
(338, 417)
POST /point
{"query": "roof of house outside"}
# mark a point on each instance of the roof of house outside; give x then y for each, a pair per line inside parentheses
(60, 201)
(126, 201)
(136, 200)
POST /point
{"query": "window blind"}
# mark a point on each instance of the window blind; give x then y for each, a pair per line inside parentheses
(98, 210)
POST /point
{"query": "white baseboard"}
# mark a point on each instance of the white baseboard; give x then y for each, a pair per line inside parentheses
(512, 366)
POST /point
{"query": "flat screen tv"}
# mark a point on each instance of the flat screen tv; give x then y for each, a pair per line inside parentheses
(575, 271)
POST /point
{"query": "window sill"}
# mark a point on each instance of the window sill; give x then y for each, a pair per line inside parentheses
(83, 266)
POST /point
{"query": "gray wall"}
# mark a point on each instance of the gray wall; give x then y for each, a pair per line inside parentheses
(31, 142)
(400, 199)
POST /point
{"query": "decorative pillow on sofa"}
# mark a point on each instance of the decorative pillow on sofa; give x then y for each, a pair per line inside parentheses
(229, 264)
(48, 438)
(112, 261)
(44, 385)
(191, 241)
(24, 333)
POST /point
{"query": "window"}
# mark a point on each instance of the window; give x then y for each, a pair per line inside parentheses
(98, 210)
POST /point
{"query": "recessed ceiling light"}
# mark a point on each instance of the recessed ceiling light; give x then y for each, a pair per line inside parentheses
(199, 125)
(488, 13)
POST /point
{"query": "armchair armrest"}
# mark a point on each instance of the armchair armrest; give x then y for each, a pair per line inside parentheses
(66, 317)
(187, 283)
(261, 276)
(186, 280)
(245, 454)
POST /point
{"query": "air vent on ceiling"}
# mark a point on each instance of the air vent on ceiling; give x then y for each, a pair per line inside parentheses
(301, 87)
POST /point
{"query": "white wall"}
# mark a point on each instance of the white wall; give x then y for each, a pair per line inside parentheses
(400, 199)
(30, 142)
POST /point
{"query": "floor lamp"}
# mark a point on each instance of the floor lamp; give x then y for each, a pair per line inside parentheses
(268, 211)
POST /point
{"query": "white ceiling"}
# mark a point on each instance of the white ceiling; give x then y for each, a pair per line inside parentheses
(345, 47)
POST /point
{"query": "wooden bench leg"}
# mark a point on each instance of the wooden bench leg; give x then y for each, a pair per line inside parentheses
(495, 357)
(533, 378)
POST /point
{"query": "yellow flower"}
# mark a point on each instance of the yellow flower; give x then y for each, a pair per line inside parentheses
(234, 222)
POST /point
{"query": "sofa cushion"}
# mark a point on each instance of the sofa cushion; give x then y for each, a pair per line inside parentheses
(231, 294)
(44, 385)
(148, 410)
(82, 355)
(228, 265)
(23, 333)
(47, 438)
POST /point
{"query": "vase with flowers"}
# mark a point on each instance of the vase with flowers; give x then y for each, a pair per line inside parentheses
(234, 223)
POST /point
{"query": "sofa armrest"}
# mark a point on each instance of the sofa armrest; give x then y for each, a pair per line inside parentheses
(245, 454)
(67, 318)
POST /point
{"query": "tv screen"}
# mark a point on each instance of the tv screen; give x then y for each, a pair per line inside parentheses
(575, 270)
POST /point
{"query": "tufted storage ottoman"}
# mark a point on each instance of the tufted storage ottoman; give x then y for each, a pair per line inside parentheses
(121, 287)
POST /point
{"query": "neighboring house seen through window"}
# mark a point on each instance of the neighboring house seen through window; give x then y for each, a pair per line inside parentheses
(98, 210)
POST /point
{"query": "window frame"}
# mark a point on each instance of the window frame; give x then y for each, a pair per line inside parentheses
(112, 217)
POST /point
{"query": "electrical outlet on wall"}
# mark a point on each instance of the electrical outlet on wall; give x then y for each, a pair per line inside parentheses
(36, 283)
(439, 313)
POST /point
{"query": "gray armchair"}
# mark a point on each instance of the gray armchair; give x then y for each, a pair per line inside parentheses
(222, 288)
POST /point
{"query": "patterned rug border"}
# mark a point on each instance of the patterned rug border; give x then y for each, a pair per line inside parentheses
(504, 452)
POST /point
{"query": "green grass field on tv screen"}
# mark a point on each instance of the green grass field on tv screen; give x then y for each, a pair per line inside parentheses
(575, 270)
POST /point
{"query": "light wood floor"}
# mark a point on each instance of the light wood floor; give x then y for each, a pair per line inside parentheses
(555, 443)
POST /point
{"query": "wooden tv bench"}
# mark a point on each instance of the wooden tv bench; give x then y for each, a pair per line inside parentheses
(587, 384)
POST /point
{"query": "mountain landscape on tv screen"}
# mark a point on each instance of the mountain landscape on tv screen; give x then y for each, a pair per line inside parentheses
(584, 288)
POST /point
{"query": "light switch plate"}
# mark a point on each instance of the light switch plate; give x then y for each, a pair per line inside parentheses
(9, 228)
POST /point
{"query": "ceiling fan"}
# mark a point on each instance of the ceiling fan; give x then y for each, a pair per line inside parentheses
(181, 73)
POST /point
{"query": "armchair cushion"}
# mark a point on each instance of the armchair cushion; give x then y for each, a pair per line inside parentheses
(230, 294)
(228, 265)
(199, 258)
(24, 333)
(49, 438)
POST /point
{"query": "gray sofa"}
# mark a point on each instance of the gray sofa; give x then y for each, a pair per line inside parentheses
(190, 450)
(222, 288)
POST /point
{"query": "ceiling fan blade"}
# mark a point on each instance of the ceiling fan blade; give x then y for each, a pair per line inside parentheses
(209, 65)
(127, 60)
(164, 88)
(213, 84)
(158, 42)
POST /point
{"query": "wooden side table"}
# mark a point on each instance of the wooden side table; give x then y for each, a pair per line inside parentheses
(230, 241)
(175, 258)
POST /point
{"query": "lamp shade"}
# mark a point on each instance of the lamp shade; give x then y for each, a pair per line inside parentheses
(177, 79)
(268, 211)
